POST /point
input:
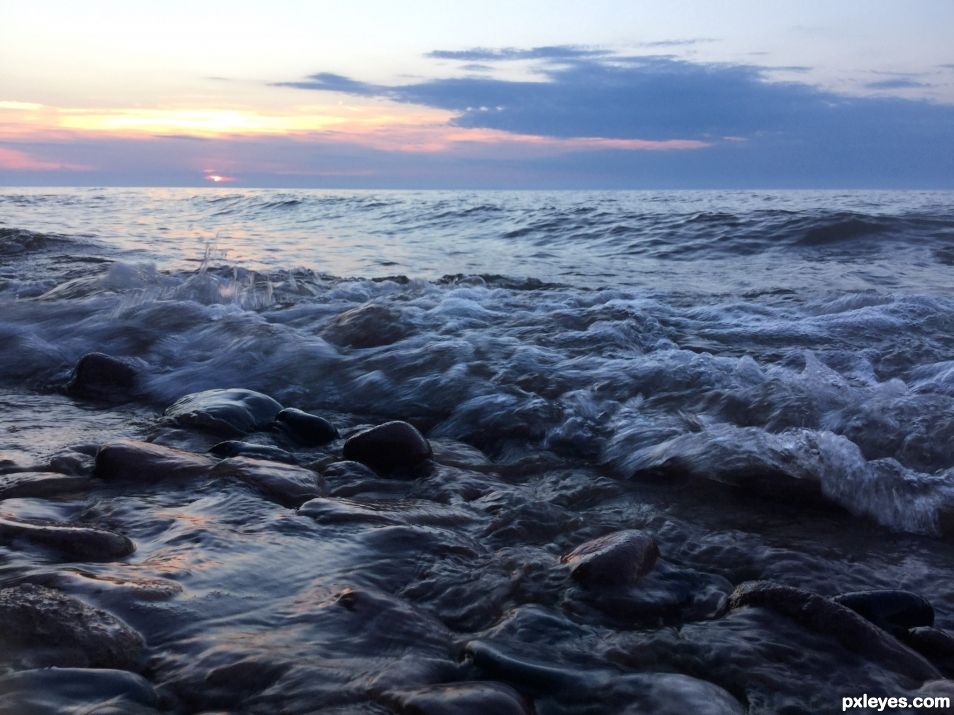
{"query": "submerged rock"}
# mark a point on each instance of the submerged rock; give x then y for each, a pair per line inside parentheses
(617, 559)
(894, 611)
(72, 462)
(54, 691)
(235, 448)
(101, 377)
(304, 428)
(233, 411)
(143, 461)
(827, 617)
(40, 484)
(934, 644)
(466, 698)
(42, 627)
(391, 446)
(80, 541)
(285, 483)
(367, 326)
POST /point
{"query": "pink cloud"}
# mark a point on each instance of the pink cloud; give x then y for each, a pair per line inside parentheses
(16, 160)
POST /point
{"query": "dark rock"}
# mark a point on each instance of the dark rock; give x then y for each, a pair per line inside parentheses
(347, 470)
(78, 541)
(234, 448)
(344, 511)
(304, 428)
(42, 627)
(285, 483)
(895, 611)
(75, 463)
(617, 559)
(142, 461)
(934, 644)
(367, 326)
(102, 377)
(827, 617)
(54, 691)
(39, 484)
(232, 411)
(474, 698)
(391, 446)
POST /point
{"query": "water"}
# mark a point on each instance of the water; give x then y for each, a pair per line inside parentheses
(763, 380)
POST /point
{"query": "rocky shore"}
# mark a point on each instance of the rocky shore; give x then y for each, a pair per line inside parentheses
(234, 554)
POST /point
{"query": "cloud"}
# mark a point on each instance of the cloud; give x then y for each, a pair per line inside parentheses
(899, 83)
(796, 134)
(486, 54)
(19, 160)
(687, 42)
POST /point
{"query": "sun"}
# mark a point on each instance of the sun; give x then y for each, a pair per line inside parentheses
(215, 178)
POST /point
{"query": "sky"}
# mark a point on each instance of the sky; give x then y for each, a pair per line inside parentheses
(516, 94)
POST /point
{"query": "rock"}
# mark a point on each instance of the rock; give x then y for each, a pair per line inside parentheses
(895, 611)
(42, 627)
(234, 448)
(102, 377)
(306, 429)
(827, 617)
(80, 541)
(343, 511)
(617, 559)
(40, 484)
(229, 412)
(142, 461)
(391, 446)
(367, 326)
(70, 462)
(465, 698)
(286, 484)
(54, 691)
(934, 644)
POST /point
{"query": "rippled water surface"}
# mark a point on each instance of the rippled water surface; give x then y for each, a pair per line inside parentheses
(763, 382)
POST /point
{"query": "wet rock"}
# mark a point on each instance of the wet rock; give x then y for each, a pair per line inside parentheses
(40, 484)
(142, 461)
(234, 448)
(233, 411)
(102, 377)
(934, 644)
(10, 462)
(306, 429)
(388, 447)
(70, 462)
(343, 511)
(367, 326)
(286, 484)
(42, 627)
(895, 611)
(467, 698)
(825, 616)
(617, 559)
(348, 471)
(54, 691)
(75, 541)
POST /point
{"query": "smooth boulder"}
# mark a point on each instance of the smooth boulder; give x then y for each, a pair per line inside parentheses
(235, 448)
(43, 627)
(230, 412)
(304, 428)
(99, 376)
(388, 447)
(287, 484)
(617, 559)
(895, 611)
(367, 326)
(39, 484)
(143, 461)
(83, 542)
(825, 616)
